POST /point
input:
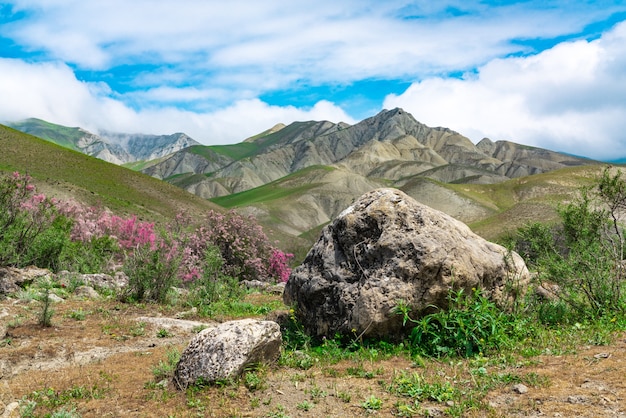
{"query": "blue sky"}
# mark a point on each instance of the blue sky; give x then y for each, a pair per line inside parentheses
(544, 73)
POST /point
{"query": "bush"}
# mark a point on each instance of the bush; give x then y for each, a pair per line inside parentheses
(244, 248)
(25, 217)
(151, 272)
(213, 285)
(584, 254)
(226, 248)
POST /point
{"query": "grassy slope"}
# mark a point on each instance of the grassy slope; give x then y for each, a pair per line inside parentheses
(277, 189)
(526, 199)
(69, 174)
(250, 147)
(512, 203)
(61, 135)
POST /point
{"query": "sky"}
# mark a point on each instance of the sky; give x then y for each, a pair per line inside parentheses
(549, 73)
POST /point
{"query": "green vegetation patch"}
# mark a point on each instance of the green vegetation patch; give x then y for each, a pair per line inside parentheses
(233, 151)
(278, 189)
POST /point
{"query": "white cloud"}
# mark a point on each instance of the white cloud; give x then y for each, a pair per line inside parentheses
(188, 58)
(569, 98)
(51, 92)
(319, 41)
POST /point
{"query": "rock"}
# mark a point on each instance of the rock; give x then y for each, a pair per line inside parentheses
(548, 291)
(11, 410)
(96, 280)
(577, 399)
(388, 247)
(185, 314)
(13, 279)
(276, 288)
(520, 388)
(171, 323)
(54, 298)
(86, 292)
(224, 352)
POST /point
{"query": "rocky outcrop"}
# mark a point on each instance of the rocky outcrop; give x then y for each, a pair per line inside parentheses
(388, 247)
(225, 351)
(13, 279)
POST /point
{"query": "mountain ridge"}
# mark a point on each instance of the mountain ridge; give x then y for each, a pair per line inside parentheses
(116, 148)
(390, 146)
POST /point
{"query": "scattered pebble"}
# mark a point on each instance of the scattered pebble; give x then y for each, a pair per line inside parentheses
(519, 388)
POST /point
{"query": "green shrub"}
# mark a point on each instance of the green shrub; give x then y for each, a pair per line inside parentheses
(213, 285)
(90, 256)
(46, 313)
(151, 273)
(584, 254)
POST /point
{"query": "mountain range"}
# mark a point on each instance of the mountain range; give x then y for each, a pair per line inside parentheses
(295, 178)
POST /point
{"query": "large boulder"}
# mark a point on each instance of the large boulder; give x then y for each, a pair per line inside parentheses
(224, 352)
(388, 247)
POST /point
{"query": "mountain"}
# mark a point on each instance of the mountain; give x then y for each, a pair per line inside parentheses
(391, 147)
(299, 176)
(112, 147)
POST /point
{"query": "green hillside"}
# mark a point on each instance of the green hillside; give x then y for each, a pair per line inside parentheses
(65, 174)
(62, 135)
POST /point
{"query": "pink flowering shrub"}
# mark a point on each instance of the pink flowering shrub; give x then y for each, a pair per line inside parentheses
(67, 235)
(279, 265)
(25, 219)
(245, 249)
(96, 222)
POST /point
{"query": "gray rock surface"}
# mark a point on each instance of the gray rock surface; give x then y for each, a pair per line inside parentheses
(13, 279)
(225, 351)
(388, 247)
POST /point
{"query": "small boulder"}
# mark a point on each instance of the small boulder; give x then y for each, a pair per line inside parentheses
(388, 247)
(86, 292)
(225, 351)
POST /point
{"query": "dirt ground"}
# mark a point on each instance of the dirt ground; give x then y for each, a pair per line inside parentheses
(98, 359)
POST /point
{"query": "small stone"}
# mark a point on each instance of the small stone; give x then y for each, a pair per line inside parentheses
(576, 399)
(56, 299)
(11, 410)
(519, 388)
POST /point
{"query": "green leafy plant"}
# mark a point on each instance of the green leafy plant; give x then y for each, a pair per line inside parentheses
(77, 314)
(253, 380)
(472, 324)
(413, 385)
(163, 333)
(165, 369)
(372, 403)
(304, 406)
